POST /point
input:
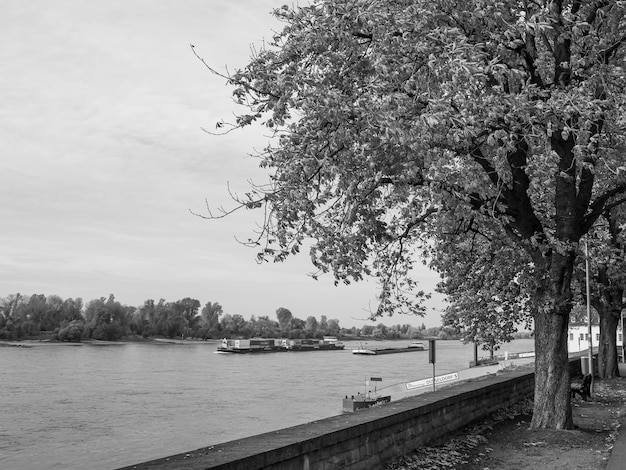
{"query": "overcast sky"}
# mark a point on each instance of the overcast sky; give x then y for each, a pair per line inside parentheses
(102, 157)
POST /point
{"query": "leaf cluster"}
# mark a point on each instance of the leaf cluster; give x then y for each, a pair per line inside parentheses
(393, 120)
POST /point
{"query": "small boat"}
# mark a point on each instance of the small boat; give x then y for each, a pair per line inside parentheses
(365, 400)
(360, 401)
(417, 345)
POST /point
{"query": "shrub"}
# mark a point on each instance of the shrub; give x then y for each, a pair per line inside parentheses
(73, 332)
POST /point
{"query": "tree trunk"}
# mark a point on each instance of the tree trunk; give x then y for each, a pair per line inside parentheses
(609, 305)
(607, 349)
(552, 403)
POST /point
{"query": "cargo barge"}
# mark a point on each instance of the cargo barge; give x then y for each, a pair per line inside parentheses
(263, 345)
(365, 351)
(245, 346)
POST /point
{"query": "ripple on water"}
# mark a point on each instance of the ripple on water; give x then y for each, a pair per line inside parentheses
(102, 408)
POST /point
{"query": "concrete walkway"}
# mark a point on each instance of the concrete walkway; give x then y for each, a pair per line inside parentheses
(617, 460)
(410, 389)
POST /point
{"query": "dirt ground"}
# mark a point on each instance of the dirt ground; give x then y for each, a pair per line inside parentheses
(505, 442)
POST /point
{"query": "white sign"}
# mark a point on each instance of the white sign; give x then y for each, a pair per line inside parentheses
(429, 382)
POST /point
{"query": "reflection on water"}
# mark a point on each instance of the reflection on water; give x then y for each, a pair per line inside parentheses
(105, 407)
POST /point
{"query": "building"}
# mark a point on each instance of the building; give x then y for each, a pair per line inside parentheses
(578, 338)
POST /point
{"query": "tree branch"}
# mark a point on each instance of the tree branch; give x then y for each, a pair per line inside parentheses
(600, 205)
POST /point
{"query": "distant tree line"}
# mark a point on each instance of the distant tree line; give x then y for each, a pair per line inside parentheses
(72, 320)
(105, 318)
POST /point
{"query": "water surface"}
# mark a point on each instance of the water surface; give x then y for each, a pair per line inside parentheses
(103, 407)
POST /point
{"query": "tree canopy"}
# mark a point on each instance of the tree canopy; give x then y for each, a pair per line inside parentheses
(388, 114)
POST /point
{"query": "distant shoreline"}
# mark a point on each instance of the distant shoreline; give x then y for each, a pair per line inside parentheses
(29, 343)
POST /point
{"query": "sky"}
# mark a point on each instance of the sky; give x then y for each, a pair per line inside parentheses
(103, 159)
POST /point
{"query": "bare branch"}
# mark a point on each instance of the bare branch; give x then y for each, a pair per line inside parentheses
(230, 79)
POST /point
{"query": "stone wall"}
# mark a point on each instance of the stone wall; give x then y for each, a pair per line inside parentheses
(366, 439)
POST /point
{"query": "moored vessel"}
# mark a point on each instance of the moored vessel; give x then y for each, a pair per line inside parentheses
(359, 401)
(367, 399)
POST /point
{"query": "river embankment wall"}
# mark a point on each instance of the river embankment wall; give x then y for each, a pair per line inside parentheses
(366, 439)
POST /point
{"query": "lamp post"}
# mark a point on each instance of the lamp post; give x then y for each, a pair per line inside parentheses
(590, 342)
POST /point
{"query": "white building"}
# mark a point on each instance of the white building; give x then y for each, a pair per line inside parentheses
(578, 339)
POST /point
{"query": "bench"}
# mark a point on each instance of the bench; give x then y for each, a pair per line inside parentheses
(582, 387)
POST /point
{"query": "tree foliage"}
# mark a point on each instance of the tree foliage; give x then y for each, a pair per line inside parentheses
(284, 316)
(108, 319)
(390, 113)
(487, 280)
(22, 317)
(210, 315)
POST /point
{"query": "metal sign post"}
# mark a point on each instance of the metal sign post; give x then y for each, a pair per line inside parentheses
(431, 358)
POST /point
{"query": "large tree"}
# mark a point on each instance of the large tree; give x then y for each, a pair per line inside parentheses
(607, 261)
(211, 317)
(107, 319)
(284, 316)
(387, 112)
(188, 308)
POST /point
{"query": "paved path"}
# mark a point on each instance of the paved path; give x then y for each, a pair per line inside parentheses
(417, 387)
(617, 460)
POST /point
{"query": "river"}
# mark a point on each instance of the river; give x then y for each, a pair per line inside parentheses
(103, 407)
